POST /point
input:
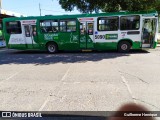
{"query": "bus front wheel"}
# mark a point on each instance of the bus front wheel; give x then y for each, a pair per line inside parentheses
(52, 48)
(124, 46)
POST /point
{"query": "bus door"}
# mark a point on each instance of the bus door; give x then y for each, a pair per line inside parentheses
(149, 32)
(30, 36)
(87, 35)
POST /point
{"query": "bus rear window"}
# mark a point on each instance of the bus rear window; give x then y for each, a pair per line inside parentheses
(13, 27)
(130, 22)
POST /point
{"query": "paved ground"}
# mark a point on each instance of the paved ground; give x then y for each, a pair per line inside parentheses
(102, 81)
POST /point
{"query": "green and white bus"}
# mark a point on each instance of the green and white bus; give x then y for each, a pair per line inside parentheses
(121, 31)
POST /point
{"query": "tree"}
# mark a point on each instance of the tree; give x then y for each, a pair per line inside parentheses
(84, 6)
(88, 6)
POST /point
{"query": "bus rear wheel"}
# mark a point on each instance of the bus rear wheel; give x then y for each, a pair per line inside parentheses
(52, 48)
(124, 46)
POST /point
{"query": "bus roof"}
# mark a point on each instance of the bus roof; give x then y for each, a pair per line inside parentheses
(153, 13)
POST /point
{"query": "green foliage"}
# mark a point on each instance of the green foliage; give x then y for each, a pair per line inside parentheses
(84, 6)
(88, 6)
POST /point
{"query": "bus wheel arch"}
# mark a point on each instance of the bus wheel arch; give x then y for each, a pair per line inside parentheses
(124, 45)
(52, 47)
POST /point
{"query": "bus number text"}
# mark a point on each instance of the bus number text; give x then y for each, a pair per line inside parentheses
(99, 36)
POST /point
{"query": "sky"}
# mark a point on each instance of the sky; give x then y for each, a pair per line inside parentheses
(31, 7)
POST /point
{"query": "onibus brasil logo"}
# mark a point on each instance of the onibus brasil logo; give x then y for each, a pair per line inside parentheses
(21, 114)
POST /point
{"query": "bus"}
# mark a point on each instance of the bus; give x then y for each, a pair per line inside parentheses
(5, 14)
(120, 31)
(2, 42)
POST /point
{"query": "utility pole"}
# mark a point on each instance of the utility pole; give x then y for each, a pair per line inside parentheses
(0, 4)
(40, 9)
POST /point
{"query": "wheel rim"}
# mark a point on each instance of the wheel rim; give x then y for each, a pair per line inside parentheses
(124, 47)
(51, 48)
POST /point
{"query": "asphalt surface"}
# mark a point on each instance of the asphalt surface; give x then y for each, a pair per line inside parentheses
(75, 81)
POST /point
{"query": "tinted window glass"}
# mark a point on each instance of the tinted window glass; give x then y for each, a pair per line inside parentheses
(55, 26)
(63, 26)
(130, 22)
(14, 27)
(68, 25)
(108, 24)
(49, 26)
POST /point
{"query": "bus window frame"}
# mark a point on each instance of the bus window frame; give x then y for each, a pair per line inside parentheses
(48, 20)
(131, 16)
(71, 19)
(20, 27)
(55, 20)
(104, 24)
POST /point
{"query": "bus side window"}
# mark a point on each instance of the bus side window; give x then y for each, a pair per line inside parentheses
(49, 26)
(71, 25)
(55, 26)
(108, 23)
(13, 27)
(68, 25)
(130, 22)
(43, 30)
(49, 29)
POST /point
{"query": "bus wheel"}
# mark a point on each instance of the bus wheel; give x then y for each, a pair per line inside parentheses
(124, 47)
(52, 48)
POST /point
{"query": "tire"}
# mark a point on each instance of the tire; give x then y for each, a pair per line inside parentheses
(124, 47)
(52, 48)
